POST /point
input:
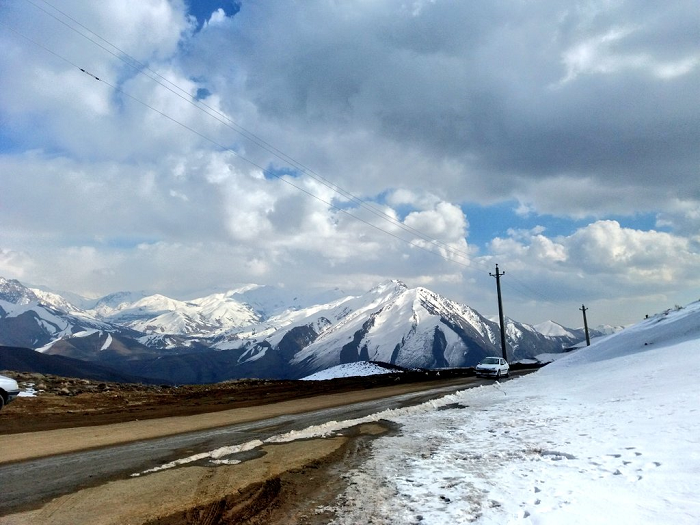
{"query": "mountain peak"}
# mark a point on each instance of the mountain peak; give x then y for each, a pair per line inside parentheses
(12, 291)
(550, 328)
(393, 285)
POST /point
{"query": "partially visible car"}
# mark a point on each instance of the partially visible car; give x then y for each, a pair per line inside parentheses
(493, 367)
(9, 390)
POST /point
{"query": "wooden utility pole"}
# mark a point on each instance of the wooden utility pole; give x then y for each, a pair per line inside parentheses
(498, 275)
(585, 324)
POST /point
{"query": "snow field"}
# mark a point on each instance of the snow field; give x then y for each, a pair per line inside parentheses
(591, 439)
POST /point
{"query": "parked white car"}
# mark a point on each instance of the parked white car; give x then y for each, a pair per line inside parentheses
(9, 390)
(493, 367)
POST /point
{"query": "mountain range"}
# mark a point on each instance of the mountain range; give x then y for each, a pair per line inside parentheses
(264, 332)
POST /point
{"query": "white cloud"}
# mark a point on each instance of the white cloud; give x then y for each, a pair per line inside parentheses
(217, 17)
(621, 273)
(14, 265)
(597, 55)
(605, 252)
(422, 106)
(445, 222)
(676, 68)
(683, 216)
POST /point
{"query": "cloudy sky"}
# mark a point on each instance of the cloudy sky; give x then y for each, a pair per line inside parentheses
(341, 143)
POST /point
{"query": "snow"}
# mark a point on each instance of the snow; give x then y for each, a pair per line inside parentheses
(44, 317)
(160, 314)
(607, 434)
(107, 343)
(29, 391)
(85, 333)
(552, 329)
(359, 369)
(387, 315)
(548, 358)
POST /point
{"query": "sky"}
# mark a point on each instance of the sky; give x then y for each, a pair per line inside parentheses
(339, 144)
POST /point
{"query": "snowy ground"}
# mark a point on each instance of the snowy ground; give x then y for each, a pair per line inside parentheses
(29, 391)
(609, 434)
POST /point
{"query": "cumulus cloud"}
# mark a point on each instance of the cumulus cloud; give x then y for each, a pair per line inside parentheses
(14, 265)
(580, 111)
(482, 96)
(604, 258)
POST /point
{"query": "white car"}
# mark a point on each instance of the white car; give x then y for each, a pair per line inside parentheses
(9, 390)
(493, 367)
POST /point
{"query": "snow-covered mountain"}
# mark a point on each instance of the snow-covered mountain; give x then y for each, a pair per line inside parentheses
(157, 314)
(412, 328)
(33, 318)
(258, 331)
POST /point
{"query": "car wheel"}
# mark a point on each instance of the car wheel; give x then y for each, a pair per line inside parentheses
(2, 402)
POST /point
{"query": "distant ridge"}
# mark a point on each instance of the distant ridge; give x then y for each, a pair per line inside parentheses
(28, 360)
(263, 332)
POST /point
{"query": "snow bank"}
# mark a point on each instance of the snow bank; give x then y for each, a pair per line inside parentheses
(359, 369)
(610, 434)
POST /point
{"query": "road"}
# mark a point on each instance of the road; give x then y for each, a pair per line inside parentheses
(29, 484)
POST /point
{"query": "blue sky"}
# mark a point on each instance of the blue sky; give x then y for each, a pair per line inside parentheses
(487, 222)
(557, 140)
(202, 9)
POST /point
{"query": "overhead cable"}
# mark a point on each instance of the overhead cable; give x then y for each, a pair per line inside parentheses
(222, 118)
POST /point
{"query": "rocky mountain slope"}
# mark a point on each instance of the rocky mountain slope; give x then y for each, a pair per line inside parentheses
(263, 332)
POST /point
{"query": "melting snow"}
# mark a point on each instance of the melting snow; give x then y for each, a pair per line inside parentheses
(608, 434)
(29, 391)
(358, 369)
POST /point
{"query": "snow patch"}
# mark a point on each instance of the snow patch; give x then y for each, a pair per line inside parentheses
(359, 369)
(85, 333)
(107, 342)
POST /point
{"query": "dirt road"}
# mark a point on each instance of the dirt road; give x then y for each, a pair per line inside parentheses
(28, 445)
(250, 492)
(279, 483)
(70, 403)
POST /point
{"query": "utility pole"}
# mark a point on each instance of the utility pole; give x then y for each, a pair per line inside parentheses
(585, 324)
(498, 275)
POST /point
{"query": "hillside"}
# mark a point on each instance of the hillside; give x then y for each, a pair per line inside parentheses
(608, 434)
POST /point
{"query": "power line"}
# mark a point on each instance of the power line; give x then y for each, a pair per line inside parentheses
(183, 94)
(529, 289)
(141, 68)
(219, 145)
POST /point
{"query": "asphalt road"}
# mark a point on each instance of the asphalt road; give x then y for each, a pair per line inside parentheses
(28, 484)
